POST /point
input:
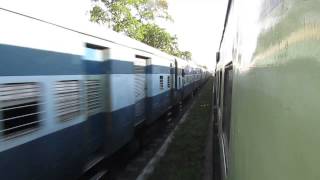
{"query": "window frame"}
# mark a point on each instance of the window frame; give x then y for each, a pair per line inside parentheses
(161, 86)
(34, 104)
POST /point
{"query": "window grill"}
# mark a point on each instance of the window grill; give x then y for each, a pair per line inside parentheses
(19, 108)
(68, 103)
(161, 82)
(93, 88)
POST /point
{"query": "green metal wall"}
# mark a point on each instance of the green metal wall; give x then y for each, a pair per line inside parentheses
(275, 50)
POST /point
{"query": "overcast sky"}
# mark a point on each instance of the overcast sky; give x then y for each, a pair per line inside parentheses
(197, 23)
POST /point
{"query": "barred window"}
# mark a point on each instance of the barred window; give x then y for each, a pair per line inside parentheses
(19, 108)
(161, 82)
(93, 88)
(67, 99)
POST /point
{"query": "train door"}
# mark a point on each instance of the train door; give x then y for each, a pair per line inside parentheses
(176, 82)
(140, 85)
(170, 84)
(97, 129)
(226, 114)
(227, 101)
(176, 74)
(183, 83)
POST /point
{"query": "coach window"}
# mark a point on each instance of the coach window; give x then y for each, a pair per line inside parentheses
(161, 82)
(68, 99)
(20, 110)
(168, 82)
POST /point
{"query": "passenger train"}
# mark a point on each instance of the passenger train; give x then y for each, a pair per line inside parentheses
(71, 97)
(267, 90)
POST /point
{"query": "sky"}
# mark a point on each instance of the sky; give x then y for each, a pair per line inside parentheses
(197, 23)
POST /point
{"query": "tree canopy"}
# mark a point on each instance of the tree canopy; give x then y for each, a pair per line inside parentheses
(137, 19)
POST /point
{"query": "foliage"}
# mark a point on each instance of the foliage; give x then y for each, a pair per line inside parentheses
(186, 55)
(136, 18)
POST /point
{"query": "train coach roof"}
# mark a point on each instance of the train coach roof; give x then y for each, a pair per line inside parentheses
(101, 32)
(225, 22)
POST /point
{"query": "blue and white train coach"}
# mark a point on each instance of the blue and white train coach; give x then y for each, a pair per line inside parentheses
(69, 98)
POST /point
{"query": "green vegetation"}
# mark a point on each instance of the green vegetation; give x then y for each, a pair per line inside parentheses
(185, 156)
(137, 19)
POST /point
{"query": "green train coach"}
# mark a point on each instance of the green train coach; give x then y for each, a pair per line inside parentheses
(267, 85)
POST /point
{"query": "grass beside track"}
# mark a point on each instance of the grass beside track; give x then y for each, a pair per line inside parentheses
(184, 159)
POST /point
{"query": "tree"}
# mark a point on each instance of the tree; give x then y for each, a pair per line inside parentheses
(156, 37)
(136, 18)
(186, 55)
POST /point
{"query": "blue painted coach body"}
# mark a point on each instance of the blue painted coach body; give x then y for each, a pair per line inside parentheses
(64, 149)
(22, 61)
